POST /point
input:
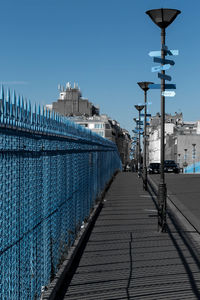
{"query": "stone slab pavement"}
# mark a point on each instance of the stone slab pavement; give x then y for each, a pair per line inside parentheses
(127, 258)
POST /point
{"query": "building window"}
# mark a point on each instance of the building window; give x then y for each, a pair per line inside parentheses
(98, 126)
(91, 126)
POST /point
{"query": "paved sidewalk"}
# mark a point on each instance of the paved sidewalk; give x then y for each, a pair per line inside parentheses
(127, 258)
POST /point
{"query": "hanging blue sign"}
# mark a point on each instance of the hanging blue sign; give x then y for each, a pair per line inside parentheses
(158, 86)
(168, 93)
(139, 130)
(167, 52)
(160, 68)
(139, 122)
(147, 115)
(163, 61)
(164, 76)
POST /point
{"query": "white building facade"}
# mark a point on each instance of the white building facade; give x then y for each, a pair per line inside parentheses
(180, 138)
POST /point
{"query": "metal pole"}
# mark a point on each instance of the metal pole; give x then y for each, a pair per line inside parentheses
(139, 156)
(193, 156)
(179, 160)
(185, 163)
(162, 186)
(145, 131)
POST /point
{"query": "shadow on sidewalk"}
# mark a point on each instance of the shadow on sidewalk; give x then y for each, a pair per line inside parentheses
(175, 234)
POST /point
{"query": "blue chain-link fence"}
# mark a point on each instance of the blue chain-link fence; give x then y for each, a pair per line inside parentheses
(51, 172)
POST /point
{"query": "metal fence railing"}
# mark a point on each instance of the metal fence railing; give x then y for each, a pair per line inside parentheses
(192, 169)
(51, 172)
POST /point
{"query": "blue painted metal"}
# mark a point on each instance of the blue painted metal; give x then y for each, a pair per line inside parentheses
(163, 61)
(51, 172)
(138, 130)
(147, 115)
(164, 76)
(139, 122)
(190, 169)
(158, 86)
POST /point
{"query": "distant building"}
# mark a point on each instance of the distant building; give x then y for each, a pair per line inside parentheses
(71, 103)
(109, 129)
(79, 110)
(179, 137)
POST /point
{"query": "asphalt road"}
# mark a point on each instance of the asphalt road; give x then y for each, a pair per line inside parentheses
(186, 188)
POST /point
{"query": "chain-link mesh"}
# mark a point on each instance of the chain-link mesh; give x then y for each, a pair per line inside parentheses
(51, 172)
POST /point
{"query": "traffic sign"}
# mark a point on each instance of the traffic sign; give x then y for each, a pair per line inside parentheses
(160, 68)
(167, 52)
(171, 52)
(168, 93)
(147, 115)
(164, 76)
(145, 104)
(158, 86)
(163, 61)
(139, 122)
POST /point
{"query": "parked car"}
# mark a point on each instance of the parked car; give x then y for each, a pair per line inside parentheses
(171, 167)
(154, 168)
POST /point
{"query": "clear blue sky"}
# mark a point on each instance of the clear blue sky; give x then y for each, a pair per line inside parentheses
(103, 45)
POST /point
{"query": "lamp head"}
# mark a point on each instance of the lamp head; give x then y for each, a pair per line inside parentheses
(144, 85)
(163, 17)
(139, 107)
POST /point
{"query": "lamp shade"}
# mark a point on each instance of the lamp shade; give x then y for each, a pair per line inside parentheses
(163, 17)
(139, 107)
(144, 85)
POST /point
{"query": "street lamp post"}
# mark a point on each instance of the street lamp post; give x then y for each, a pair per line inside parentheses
(133, 155)
(144, 85)
(193, 156)
(163, 18)
(179, 160)
(136, 144)
(139, 108)
(185, 159)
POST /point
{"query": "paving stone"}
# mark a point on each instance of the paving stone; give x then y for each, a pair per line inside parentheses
(127, 258)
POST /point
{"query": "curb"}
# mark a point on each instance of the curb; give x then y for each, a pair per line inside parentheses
(66, 269)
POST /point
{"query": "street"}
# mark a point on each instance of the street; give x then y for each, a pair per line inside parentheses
(185, 188)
